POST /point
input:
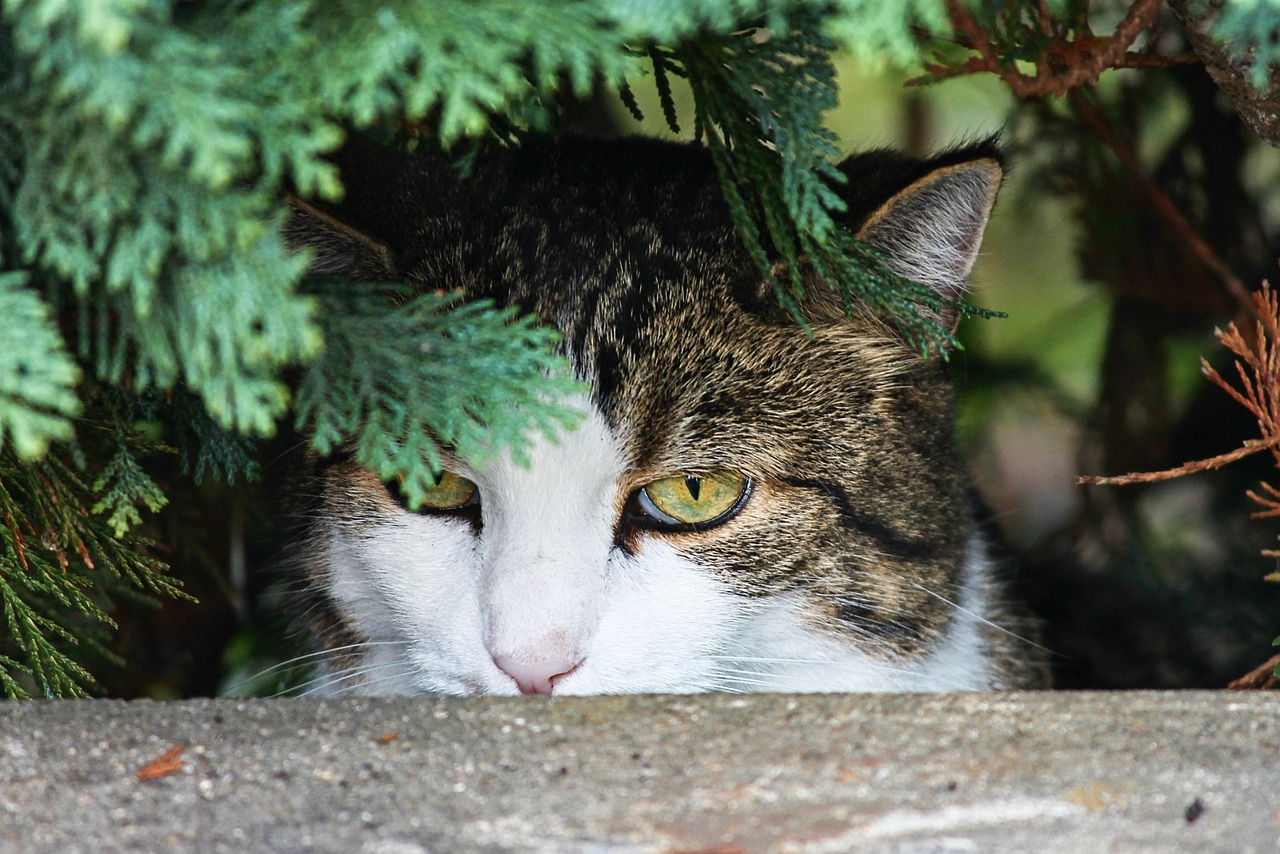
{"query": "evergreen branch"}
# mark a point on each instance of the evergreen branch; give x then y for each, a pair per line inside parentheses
(397, 382)
(628, 98)
(205, 448)
(759, 102)
(36, 654)
(661, 68)
(1243, 30)
(37, 377)
(123, 485)
(61, 564)
(148, 166)
(875, 32)
(9, 686)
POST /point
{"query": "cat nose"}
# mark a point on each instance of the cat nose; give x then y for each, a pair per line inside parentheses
(536, 677)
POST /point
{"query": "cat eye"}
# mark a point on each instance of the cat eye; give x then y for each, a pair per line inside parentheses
(450, 492)
(692, 500)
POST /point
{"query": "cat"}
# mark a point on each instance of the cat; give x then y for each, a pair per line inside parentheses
(745, 505)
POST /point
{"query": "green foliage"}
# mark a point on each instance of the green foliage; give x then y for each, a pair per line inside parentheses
(204, 447)
(1248, 29)
(876, 32)
(467, 62)
(60, 566)
(148, 158)
(37, 376)
(394, 386)
(123, 485)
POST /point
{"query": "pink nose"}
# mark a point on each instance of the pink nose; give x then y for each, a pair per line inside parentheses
(537, 677)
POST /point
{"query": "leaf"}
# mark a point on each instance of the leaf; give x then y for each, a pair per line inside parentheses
(123, 486)
(879, 33)
(37, 377)
(396, 382)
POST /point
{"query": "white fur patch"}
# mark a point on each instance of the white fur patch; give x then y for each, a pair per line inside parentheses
(784, 654)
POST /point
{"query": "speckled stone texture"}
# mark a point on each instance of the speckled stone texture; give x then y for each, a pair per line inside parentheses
(1045, 772)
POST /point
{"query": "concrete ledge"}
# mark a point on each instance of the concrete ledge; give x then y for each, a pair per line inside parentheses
(1194, 771)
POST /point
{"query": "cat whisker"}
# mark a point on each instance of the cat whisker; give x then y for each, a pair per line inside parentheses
(291, 450)
(979, 617)
(313, 687)
(338, 675)
(725, 688)
(367, 684)
(817, 665)
(306, 660)
(761, 660)
(744, 680)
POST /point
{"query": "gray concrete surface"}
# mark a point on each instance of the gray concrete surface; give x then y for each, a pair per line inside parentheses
(1160, 772)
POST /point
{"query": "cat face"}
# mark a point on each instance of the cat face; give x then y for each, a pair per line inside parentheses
(742, 506)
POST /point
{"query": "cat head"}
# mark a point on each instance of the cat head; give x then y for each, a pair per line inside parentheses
(743, 506)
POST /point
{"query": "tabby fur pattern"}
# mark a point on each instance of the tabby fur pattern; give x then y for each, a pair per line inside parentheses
(854, 561)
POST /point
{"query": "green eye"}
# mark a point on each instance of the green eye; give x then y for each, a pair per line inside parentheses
(451, 492)
(693, 499)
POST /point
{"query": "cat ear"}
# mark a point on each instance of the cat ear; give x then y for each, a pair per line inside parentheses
(361, 236)
(338, 249)
(930, 231)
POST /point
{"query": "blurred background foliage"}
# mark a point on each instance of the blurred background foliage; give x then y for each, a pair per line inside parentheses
(1141, 204)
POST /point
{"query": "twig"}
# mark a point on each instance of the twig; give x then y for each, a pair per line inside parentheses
(1273, 506)
(1262, 676)
(1141, 16)
(1252, 446)
(1065, 64)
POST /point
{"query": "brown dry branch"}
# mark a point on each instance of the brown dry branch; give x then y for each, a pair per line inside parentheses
(19, 541)
(1252, 446)
(1272, 511)
(1273, 507)
(1065, 63)
(1262, 676)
